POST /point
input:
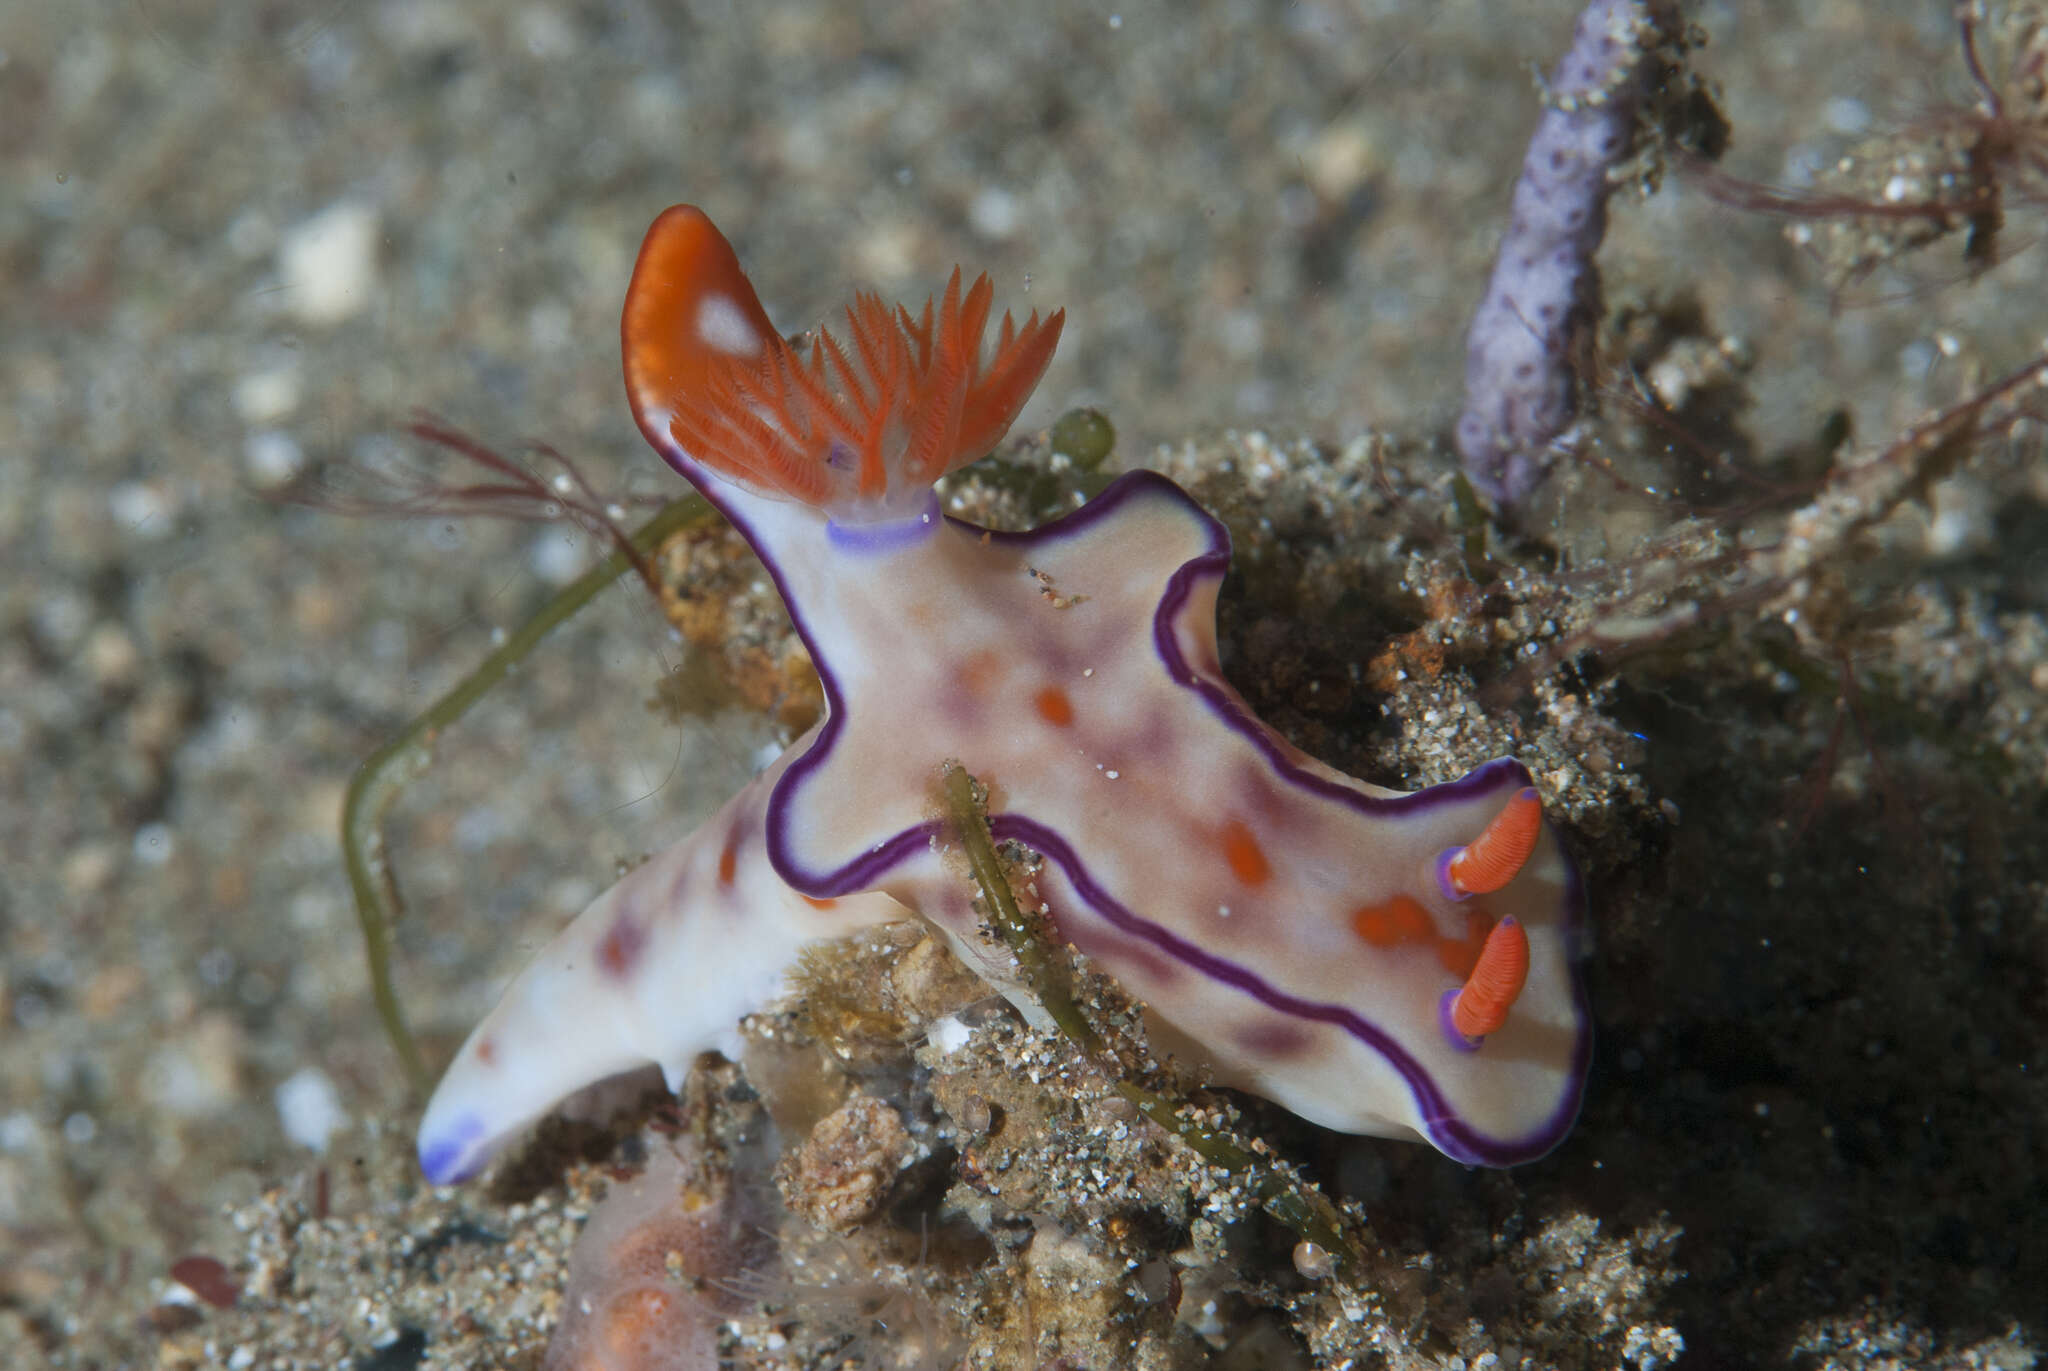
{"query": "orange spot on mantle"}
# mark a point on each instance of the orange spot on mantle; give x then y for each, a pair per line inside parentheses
(620, 948)
(1403, 921)
(1393, 922)
(979, 672)
(728, 866)
(818, 904)
(1247, 859)
(1054, 707)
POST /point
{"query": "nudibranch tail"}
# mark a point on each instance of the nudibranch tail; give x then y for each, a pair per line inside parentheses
(1499, 853)
(861, 431)
(660, 968)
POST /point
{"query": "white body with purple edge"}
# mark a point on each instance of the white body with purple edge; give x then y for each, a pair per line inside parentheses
(1289, 921)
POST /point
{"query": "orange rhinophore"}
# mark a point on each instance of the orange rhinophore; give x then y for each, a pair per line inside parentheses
(1482, 1006)
(1499, 853)
(863, 428)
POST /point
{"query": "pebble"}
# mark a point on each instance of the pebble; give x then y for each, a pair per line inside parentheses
(142, 509)
(75, 525)
(842, 1174)
(1964, 519)
(264, 397)
(109, 989)
(14, 1192)
(949, 1035)
(110, 656)
(994, 213)
(198, 1073)
(309, 1108)
(61, 615)
(557, 555)
(1340, 159)
(154, 843)
(316, 808)
(329, 263)
(315, 608)
(88, 868)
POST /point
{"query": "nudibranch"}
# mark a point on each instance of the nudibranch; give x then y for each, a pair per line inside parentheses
(1378, 962)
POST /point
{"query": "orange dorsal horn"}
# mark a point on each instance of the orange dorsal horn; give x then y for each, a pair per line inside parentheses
(689, 311)
(1481, 1005)
(692, 334)
(1498, 854)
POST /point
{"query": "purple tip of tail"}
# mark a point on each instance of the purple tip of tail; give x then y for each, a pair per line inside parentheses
(453, 1156)
(1450, 1027)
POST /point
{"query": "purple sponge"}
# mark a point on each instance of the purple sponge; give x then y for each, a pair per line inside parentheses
(1518, 379)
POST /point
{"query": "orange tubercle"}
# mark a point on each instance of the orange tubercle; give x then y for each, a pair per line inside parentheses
(863, 428)
(1495, 983)
(1501, 850)
(1054, 707)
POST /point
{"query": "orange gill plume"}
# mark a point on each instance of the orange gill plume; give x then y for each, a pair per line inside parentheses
(863, 428)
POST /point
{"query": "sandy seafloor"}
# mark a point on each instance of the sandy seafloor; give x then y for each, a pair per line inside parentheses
(1815, 1129)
